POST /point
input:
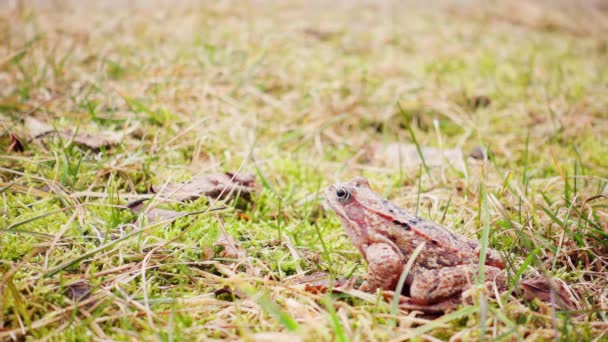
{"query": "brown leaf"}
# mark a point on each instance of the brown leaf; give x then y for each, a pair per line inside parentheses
(16, 144)
(243, 216)
(232, 292)
(479, 153)
(78, 290)
(479, 101)
(224, 184)
(36, 127)
(153, 214)
(94, 141)
(408, 155)
(319, 34)
(207, 253)
(551, 291)
(232, 250)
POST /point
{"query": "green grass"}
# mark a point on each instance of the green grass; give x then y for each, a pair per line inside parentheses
(297, 94)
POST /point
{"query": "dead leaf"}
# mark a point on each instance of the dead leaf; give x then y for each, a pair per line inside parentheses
(94, 141)
(36, 127)
(224, 184)
(319, 34)
(551, 291)
(409, 156)
(153, 214)
(243, 216)
(78, 290)
(232, 292)
(479, 101)
(207, 253)
(232, 250)
(16, 144)
(479, 153)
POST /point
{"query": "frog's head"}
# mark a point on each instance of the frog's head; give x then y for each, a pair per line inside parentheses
(357, 205)
(341, 195)
(349, 199)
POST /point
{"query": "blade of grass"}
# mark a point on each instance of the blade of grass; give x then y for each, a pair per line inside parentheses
(445, 211)
(552, 216)
(509, 323)
(485, 233)
(401, 282)
(524, 174)
(8, 186)
(20, 223)
(419, 190)
(466, 311)
(413, 136)
(274, 310)
(84, 256)
(335, 323)
(522, 268)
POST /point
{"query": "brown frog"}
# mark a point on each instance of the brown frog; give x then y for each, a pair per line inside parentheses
(387, 235)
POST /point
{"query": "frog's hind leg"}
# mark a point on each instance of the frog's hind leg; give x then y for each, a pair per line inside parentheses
(433, 286)
(384, 268)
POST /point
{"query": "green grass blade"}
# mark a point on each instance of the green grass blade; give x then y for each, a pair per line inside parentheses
(401, 282)
(274, 310)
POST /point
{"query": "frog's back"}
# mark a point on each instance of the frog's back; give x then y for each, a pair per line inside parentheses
(434, 233)
(458, 249)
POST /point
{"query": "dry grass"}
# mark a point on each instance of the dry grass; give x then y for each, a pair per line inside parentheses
(299, 94)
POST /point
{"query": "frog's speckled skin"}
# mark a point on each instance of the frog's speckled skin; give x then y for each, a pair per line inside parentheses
(386, 236)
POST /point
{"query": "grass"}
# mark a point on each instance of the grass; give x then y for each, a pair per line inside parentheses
(297, 94)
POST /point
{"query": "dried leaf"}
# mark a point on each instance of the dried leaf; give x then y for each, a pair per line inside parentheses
(320, 34)
(207, 253)
(214, 185)
(94, 141)
(232, 250)
(153, 214)
(479, 101)
(232, 292)
(16, 144)
(243, 216)
(479, 153)
(78, 290)
(551, 291)
(36, 127)
(409, 156)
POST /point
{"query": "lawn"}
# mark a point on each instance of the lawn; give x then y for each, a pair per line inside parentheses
(106, 103)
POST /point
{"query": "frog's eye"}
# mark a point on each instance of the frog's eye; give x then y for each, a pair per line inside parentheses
(343, 194)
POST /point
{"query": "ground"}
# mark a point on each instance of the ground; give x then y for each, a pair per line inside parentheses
(300, 94)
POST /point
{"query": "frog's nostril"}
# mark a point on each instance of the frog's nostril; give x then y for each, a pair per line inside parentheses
(342, 194)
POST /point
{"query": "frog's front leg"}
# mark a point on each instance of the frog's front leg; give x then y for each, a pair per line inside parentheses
(436, 285)
(384, 267)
